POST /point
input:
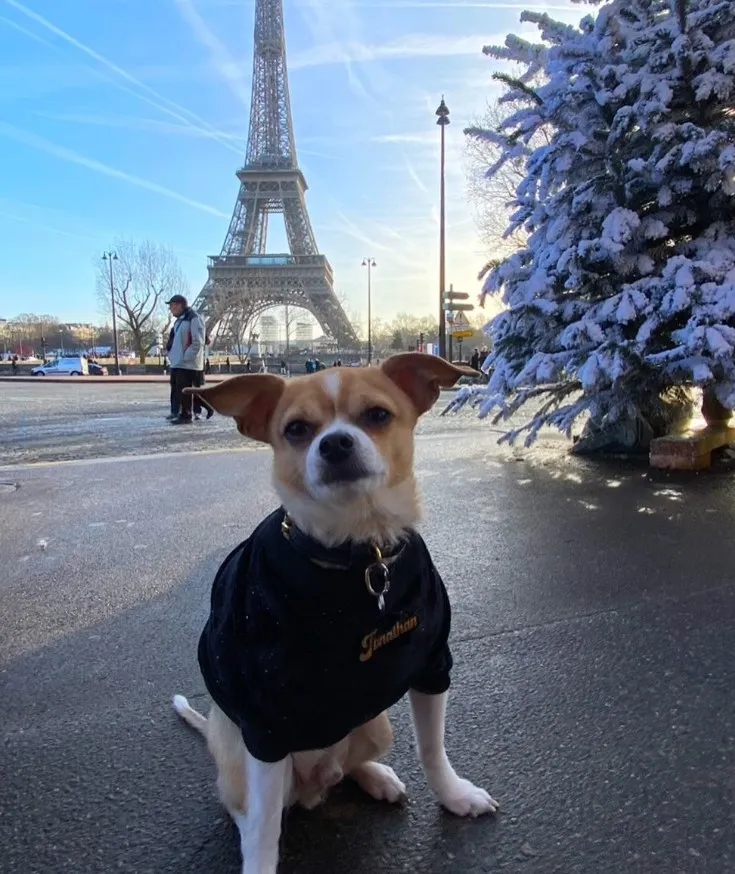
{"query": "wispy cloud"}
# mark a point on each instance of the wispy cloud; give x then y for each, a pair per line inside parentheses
(421, 138)
(463, 4)
(161, 103)
(24, 30)
(220, 57)
(415, 176)
(348, 227)
(414, 45)
(36, 142)
(165, 128)
(21, 219)
(319, 17)
(384, 229)
(136, 123)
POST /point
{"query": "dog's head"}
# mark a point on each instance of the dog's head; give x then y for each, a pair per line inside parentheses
(342, 440)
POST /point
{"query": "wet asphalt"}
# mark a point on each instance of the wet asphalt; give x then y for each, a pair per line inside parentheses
(593, 636)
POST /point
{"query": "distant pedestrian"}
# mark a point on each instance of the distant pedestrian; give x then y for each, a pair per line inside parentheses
(228, 365)
(14, 364)
(186, 354)
(475, 359)
(208, 366)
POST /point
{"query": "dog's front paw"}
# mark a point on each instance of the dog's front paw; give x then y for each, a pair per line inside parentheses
(465, 799)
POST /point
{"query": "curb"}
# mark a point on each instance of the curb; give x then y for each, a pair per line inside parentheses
(105, 380)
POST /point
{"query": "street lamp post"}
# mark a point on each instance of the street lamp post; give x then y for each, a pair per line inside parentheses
(442, 121)
(370, 263)
(110, 257)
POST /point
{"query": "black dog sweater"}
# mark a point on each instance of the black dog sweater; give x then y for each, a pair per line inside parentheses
(296, 650)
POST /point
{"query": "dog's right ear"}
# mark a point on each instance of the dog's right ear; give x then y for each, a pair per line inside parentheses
(250, 399)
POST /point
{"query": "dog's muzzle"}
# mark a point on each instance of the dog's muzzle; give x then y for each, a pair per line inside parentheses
(340, 459)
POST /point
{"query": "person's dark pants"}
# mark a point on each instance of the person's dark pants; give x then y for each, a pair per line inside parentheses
(174, 399)
(200, 403)
(182, 378)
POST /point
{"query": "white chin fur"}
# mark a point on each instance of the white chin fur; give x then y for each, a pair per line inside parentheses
(363, 511)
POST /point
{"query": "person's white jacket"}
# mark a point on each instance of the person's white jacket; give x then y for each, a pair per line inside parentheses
(187, 349)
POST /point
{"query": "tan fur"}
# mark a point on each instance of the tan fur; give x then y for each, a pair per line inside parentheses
(316, 772)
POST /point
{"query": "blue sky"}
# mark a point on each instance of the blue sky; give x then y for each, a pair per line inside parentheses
(129, 117)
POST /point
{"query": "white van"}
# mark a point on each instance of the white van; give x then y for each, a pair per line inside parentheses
(73, 365)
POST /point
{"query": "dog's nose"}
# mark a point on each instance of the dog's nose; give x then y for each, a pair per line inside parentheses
(336, 447)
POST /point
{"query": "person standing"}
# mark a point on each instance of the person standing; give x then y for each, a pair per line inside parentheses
(186, 356)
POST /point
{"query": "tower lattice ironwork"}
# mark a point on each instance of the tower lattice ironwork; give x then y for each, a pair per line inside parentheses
(244, 280)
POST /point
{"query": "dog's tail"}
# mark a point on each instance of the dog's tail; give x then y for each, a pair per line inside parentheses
(188, 714)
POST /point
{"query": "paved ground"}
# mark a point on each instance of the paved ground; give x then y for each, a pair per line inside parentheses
(44, 421)
(594, 634)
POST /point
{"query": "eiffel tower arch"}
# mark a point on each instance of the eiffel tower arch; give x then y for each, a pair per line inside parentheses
(244, 280)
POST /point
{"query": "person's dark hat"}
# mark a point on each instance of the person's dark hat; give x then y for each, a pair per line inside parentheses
(178, 298)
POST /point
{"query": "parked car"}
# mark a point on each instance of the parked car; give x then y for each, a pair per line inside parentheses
(73, 365)
(96, 369)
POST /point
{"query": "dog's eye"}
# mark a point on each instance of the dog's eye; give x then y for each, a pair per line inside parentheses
(297, 430)
(377, 416)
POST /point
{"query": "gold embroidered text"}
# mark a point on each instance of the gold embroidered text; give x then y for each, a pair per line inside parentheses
(373, 641)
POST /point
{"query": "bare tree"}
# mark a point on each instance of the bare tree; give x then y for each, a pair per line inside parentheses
(493, 197)
(144, 276)
(235, 330)
(32, 331)
(290, 314)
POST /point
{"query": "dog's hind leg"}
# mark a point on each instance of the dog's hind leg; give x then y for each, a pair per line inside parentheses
(230, 755)
(379, 781)
(368, 743)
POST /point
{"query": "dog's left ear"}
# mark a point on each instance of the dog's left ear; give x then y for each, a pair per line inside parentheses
(422, 376)
(250, 399)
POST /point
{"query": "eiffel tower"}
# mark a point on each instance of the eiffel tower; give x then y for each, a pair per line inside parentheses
(244, 280)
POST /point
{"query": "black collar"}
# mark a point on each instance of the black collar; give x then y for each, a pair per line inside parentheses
(347, 556)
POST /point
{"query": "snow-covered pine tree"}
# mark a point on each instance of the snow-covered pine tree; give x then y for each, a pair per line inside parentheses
(624, 296)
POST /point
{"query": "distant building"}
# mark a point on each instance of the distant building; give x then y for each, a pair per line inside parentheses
(304, 333)
(269, 330)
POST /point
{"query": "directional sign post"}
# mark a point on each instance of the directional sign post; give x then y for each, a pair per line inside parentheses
(456, 319)
(452, 297)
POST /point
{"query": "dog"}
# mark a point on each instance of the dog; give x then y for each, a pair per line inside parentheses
(332, 610)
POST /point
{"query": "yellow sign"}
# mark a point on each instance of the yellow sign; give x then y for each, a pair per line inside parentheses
(462, 335)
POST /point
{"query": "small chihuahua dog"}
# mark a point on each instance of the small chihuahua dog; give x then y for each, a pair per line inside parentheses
(332, 610)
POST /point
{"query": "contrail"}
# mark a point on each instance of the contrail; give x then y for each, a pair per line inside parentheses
(159, 101)
(220, 57)
(37, 142)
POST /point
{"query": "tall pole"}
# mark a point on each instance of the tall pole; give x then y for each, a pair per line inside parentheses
(442, 121)
(449, 332)
(110, 257)
(369, 263)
